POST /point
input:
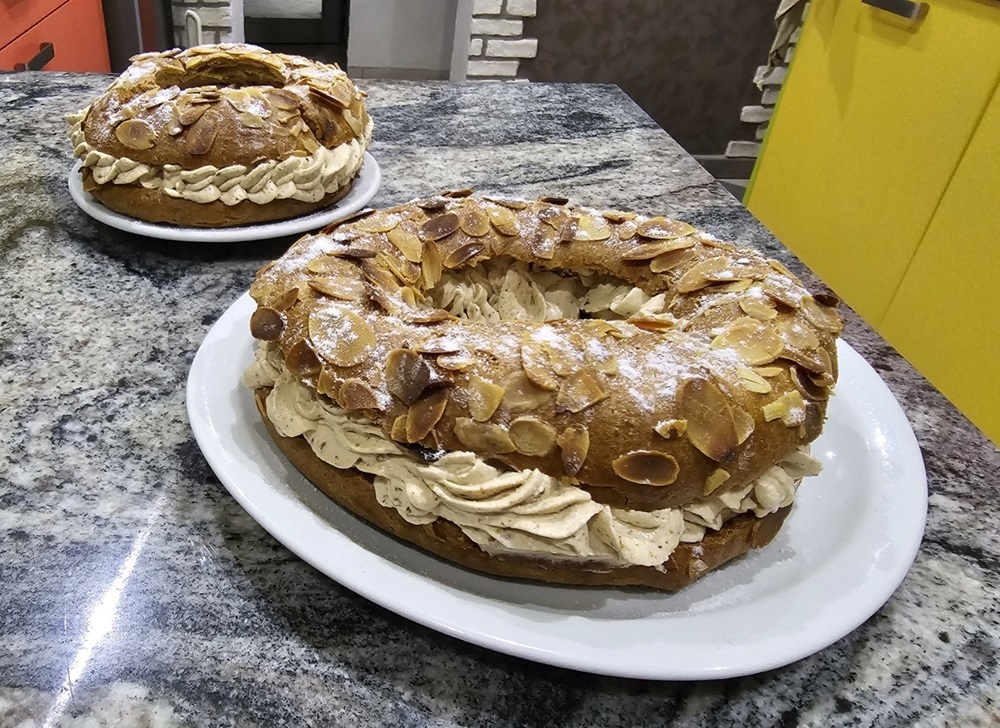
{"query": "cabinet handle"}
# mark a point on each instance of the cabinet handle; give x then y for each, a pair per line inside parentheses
(46, 52)
(904, 8)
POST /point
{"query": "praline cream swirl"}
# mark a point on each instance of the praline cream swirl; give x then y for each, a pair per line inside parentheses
(307, 179)
(527, 511)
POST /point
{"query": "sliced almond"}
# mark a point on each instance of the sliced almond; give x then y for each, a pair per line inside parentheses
(579, 392)
(377, 223)
(483, 438)
(769, 372)
(439, 345)
(327, 383)
(536, 365)
(483, 398)
(301, 360)
(759, 308)
(554, 199)
(703, 274)
(737, 286)
(431, 265)
(504, 220)
(440, 227)
(473, 221)
(711, 427)
(782, 293)
(283, 99)
(822, 317)
(201, 135)
(744, 424)
(626, 231)
(796, 334)
(669, 429)
(807, 386)
(398, 430)
(781, 268)
(531, 436)
(552, 216)
(432, 204)
(752, 381)
(357, 394)
(135, 134)
(187, 114)
(459, 362)
(592, 229)
(286, 300)
(464, 192)
(754, 341)
(574, 443)
(543, 243)
(520, 395)
(266, 324)
(789, 408)
(670, 260)
(648, 251)
(660, 228)
(567, 233)
(251, 121)
(618, 216)
(649, 467)
(352, 253)
(714, 480)
(424, 414)
(340, 336)
(510, 202)
(463, 254)
(343, 289)
(407, 375)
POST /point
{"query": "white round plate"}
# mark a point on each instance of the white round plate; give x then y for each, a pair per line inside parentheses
(362, 191)
(848, 543)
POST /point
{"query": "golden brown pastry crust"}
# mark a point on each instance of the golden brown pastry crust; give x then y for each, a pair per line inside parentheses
(355, 492)
(154, 206)
(341, 307)
(220, 106)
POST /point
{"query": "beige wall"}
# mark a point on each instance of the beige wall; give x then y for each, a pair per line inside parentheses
(402, 34)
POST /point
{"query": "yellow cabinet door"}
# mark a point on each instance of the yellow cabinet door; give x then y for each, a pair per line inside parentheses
(871, 124)
(945, 318)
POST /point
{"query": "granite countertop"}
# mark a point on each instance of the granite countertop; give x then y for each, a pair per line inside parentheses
(134, 590)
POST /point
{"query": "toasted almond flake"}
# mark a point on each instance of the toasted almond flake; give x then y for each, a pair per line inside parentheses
(703, 274)
(343, 289)
(301, 360)
(520, 395)
(579, 392)
(657, 322)
(670, 260)
(789, 408)
(405, 239)
(591, 229)
(340, 336)
(503, 220)
(554, 199)
(769, 372)
(757, 307)
(650, 250)
(431, 265)
(782, 294)
(627, 230)
(618, 216)
(440, 227)
(796, 334)
(398, 430)
(711, 427)
(439, 345)
(356, 394)
(483, 398)
(807, 386)
(531, 436)
(669, 429)
(568, 231)
(327, 383)
(286, 300)
(754, 341)
(574, 443)
(407, 375)
(536, 365)
(552, 216)
(251, 121)
(463, 254)
(201, 135)
(744, 424)
(649, 467)
(135, 134)
(266, 324)
(464, 192)
(377, 223)
(714, 480)
(660, 228)
(511, 202)
(424, 414)
(456, 362)
(483, 438)
(473, 221)
(432, 204)
(821, 317)
(752, 381)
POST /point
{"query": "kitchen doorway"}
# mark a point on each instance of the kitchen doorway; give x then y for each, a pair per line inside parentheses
(316, 29)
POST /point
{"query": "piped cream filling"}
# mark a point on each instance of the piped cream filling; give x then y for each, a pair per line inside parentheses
(307, 179)
(525, 512)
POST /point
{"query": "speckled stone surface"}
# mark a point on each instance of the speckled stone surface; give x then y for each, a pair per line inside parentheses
(134, 590)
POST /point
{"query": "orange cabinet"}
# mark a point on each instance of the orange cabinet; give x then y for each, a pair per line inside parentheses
(73, 28)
